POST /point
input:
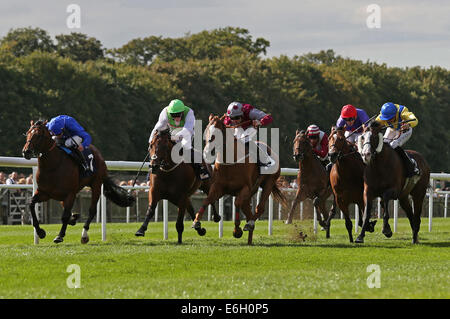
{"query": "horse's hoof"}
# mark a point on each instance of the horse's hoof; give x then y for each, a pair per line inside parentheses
(201, 231)
(84, 240)
(217, 219)
(140, 233)
(388, 235)
(237, 233)
(41, 233)
(359, 240)
(58, 239)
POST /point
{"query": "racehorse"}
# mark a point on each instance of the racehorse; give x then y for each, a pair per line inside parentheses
(175, 182)
(312, 181)
(58, 177)
(240, 178)
(384, 177)
(346, 177)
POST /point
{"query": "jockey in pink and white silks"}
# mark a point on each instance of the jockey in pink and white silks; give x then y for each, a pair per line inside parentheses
(251, 118)
(180, 120)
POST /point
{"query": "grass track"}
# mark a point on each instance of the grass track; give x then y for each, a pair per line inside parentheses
(276, 266)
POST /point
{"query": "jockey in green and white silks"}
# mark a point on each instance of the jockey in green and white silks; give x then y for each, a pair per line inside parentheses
(180, 120)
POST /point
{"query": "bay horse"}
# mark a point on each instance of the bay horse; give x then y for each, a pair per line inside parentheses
(312, 181)
(347, 177)
(385, 177)
(240, 178)
(175, 182)
(58, 177)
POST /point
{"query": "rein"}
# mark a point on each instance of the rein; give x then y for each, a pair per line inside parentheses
(240, 124)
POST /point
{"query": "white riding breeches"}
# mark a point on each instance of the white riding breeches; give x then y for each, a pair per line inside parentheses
(352, 139)
(75, 141)
(396, 138)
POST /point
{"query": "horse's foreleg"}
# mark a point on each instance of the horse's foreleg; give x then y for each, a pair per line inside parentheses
(37, 198)
(180, 220)
(154, 197)
(294, 205)
(190, 209)
(246, 209)
(387, 196)
(367, 211)
(214, 194)
(68, 204)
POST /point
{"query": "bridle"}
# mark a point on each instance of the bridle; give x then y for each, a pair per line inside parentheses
(38, 142)
(163, 165)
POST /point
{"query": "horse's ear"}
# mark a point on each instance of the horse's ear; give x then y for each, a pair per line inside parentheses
(45, 122)
(31, 122)
(223, 117)
(211, 116)
(297, 131)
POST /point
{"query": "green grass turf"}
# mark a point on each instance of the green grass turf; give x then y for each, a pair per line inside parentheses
(277, 266)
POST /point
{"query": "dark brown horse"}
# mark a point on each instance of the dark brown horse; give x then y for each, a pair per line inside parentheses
(384, 177)
(175, 182)
(58, 177)
(240, 177)
(312, 181)
(346, 177)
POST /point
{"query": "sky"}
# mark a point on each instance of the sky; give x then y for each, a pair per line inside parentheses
(411, 33)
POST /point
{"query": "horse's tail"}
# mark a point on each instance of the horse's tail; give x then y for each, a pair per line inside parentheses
(117, 194)
(279, 197)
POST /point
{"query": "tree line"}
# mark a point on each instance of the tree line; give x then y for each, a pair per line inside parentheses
(117, 94)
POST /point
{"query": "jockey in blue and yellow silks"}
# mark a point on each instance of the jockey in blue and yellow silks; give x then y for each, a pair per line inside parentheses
(400, 122)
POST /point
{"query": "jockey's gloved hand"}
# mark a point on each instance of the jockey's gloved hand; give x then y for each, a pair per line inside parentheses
(256, 123)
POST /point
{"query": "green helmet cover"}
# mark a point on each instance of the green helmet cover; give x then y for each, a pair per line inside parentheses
(176, 106)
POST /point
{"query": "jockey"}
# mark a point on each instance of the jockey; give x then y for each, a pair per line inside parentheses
(251, 118)
(66, 130)
(351, 119)
(180, 120)
(319, 143)
(398, 133)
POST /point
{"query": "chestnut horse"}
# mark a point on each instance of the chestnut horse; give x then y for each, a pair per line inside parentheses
(171, 181)
(240, 178)
(58, 177)
(385, 177)
(346, 177)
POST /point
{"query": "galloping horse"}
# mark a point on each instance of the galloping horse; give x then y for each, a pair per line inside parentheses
(58, 177)
(240, 178)
(384, 177)
(174, 182)
(346, 177)
(312, 181)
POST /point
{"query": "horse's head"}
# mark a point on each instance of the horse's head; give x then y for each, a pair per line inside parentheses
(370, 142)
(39, 140)
(160, 149)
(215, 127)
(302, 146)
(337, 143)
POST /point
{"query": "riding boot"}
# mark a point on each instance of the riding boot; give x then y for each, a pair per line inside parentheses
(411, 166)
(199, 168)
(83, 162)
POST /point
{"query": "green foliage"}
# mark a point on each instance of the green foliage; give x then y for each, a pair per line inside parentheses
(118, 100)
(79, 47)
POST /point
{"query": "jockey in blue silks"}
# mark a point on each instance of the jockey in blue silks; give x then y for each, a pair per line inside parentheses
(68, 132)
